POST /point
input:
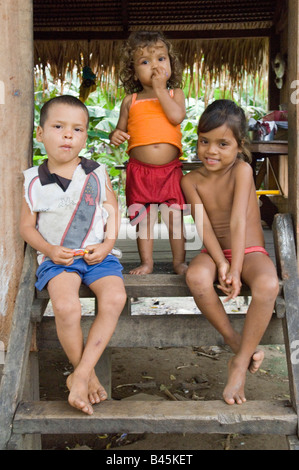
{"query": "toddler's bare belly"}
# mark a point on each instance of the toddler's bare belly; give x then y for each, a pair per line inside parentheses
(155, 154)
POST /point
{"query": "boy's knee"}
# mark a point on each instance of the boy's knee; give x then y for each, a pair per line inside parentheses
(120, 298)
(115, 300)
(67, 310)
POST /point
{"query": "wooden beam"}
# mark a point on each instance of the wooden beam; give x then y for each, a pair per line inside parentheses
(16, 117)
(293, 111)
(273, 91)
(121, 35)
(125, 15)
(252, 417)
(287, 268)
(16, 360)
(160, 331)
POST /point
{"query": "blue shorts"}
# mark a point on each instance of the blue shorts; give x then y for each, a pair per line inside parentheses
(110, 266)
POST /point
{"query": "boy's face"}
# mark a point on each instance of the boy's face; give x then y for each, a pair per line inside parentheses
(64, 133)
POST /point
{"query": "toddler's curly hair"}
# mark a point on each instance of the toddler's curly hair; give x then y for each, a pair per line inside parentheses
(140, 39)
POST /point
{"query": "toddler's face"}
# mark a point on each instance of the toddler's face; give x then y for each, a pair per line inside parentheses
(151, 61)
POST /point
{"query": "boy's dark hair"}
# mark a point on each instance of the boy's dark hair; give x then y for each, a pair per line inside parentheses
(226, 112)
(140, 39)
(63, 99)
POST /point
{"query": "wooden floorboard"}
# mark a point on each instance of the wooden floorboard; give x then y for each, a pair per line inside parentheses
(162, 253)
(252, 417)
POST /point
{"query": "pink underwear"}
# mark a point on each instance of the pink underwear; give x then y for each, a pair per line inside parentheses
(252, 249)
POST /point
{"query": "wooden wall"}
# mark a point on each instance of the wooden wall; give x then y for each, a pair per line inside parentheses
(16, 123)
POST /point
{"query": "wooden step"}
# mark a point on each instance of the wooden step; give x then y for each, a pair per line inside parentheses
(253, 417)
(159, 331)
(157, 285)
(166, 285)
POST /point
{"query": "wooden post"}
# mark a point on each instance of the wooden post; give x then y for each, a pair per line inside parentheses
(293, 111)
(16, 123)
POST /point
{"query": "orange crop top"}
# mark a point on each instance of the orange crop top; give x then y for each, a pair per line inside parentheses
(147, 124)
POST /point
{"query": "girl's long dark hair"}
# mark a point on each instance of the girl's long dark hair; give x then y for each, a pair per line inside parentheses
(227, 112)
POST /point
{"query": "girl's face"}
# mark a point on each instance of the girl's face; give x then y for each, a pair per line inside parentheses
(150, 60)
(218, 148)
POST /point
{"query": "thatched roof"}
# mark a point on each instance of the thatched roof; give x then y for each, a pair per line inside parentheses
(214, 35)
(124, 15)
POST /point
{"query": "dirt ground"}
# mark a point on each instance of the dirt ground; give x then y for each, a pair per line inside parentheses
(166, 374)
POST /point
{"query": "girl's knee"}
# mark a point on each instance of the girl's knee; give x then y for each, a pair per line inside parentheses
(266, 288)
(198, 280)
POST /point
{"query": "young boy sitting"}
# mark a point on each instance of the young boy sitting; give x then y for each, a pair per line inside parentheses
(70, 216)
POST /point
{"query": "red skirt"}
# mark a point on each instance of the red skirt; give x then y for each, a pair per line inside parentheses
(148, 184)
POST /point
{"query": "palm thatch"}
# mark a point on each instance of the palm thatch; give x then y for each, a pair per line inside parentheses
(70, 34)
(228, 61)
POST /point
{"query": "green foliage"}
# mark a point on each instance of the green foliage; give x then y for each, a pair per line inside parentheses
(103, 108)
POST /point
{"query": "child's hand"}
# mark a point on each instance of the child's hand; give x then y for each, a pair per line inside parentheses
(159, 78)
(61, 255)
(118, 137)
(96, 253)
(233, 285)
(223, 270)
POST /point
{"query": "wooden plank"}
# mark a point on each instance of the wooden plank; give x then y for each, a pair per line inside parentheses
(274, 147)
(157, 285)
(252, 417)
(38, 309)
(16, 118)
(165, 285)
(293, 114)
(162, 253)
(16, 359)
(293, 442)
(31, 392)
(159, 331)
(286, 259)
(176, 34)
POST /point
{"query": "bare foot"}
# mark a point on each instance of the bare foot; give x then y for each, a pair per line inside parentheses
(144, 268)
(78, 396)
(256, 361)
(257, 357)
(234, 389)
(96, 392)
(180, 268)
